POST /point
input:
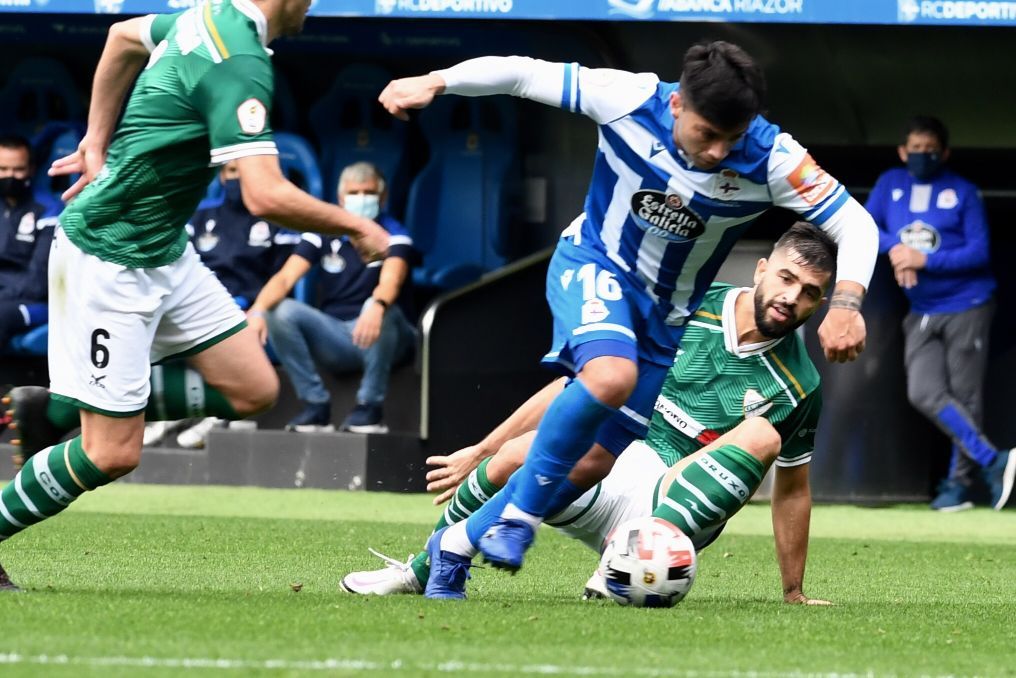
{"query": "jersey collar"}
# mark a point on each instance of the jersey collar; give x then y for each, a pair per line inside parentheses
(254, 13)
(730, 328)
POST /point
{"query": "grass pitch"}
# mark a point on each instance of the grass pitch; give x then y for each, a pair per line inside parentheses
(150, 580)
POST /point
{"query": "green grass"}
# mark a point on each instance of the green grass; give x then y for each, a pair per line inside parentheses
(188, 576)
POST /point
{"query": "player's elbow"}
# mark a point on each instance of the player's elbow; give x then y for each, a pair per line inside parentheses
(261, 201)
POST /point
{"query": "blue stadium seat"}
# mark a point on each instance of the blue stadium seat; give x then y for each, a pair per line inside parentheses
(458, 205)
(351, 126)
(38, 90)
(33, 342)
(299, 163)
(54, 141)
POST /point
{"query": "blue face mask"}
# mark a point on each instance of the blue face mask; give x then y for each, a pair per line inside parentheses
(232, 190)
(923, 166)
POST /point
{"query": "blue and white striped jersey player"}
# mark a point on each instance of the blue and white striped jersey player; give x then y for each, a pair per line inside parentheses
(681, 171)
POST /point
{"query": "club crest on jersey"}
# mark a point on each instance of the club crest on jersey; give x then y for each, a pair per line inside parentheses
(947, 199)
(666, 216)
(26, 228)
(727, 184)
(594, 311)
(260, 234)
(755, 404)
(252, 116)
(921, 236)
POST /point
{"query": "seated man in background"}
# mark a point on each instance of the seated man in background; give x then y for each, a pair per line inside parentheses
(26, 231)
(243, 251)
(741, 396)
(932, 224)
(357, 326)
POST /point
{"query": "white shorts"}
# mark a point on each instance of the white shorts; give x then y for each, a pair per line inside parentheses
(625, 494)
(108, 324)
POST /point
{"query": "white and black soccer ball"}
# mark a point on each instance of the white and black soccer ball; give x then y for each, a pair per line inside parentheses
(648, 562)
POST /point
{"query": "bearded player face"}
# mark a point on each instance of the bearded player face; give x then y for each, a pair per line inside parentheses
(787, 293)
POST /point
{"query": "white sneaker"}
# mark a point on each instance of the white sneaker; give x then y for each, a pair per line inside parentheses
(194, 437)
(395, 578)
(158, 430)
(596, 587)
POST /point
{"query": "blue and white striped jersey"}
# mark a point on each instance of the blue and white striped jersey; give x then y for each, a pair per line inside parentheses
(666, 223)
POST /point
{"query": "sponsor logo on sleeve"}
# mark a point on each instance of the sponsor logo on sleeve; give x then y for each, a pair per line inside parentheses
(666, 216)
(252, 116)
(810, 181)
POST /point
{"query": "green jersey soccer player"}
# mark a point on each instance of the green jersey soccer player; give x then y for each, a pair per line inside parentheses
(742, 395)
(126, 289)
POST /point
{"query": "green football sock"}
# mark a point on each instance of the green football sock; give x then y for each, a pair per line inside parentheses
(470, 495)
(178, 392)
(711, 489)
(46, 485)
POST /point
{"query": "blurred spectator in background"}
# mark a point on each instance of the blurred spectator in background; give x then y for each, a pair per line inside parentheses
(357, 326)
(243, 251)
(26, 231)
(933, 227)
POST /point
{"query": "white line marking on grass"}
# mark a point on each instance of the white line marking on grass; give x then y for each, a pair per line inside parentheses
(396, 665)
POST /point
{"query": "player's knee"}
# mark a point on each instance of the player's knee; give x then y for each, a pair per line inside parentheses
(924, 400)
(760, 438)
(258, 395)
(509, 459)
(115, 459)
(610, 380)
(592, 468)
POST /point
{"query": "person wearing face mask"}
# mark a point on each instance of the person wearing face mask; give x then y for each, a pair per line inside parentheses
(243, 251)
(933, 227)
(681, 170)
(26, 231)
(358, 324)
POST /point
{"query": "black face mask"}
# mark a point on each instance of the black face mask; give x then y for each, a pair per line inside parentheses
(231, 188)
(923, 166)
(12, 187)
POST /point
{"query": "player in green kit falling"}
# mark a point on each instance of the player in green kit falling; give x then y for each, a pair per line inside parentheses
(126, 288)
(742, 395)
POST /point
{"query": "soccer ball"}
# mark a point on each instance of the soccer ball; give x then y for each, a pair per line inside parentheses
(648, 562)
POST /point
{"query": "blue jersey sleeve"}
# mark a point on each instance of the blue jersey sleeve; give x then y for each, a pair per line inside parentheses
(973, 254)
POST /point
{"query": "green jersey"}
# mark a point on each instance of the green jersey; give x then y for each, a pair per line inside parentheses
(202, 100)
(715, 384)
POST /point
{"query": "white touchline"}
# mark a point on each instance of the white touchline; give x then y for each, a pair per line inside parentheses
(400, 665)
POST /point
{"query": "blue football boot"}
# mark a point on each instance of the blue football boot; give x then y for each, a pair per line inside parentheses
(448, 571)
(1001, 475)
(504, 545)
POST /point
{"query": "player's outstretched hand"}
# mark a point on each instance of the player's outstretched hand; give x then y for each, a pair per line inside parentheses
(451, 470)
(371, 242)
(798, 598)
(86, 161)
(407, 93)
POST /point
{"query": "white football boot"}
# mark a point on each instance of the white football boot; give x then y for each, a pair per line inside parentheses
(194, 437)
(596, 587)
(394, 578)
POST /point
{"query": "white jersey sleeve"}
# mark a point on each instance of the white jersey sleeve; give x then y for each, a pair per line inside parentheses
(798, 183)
(603, 94)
